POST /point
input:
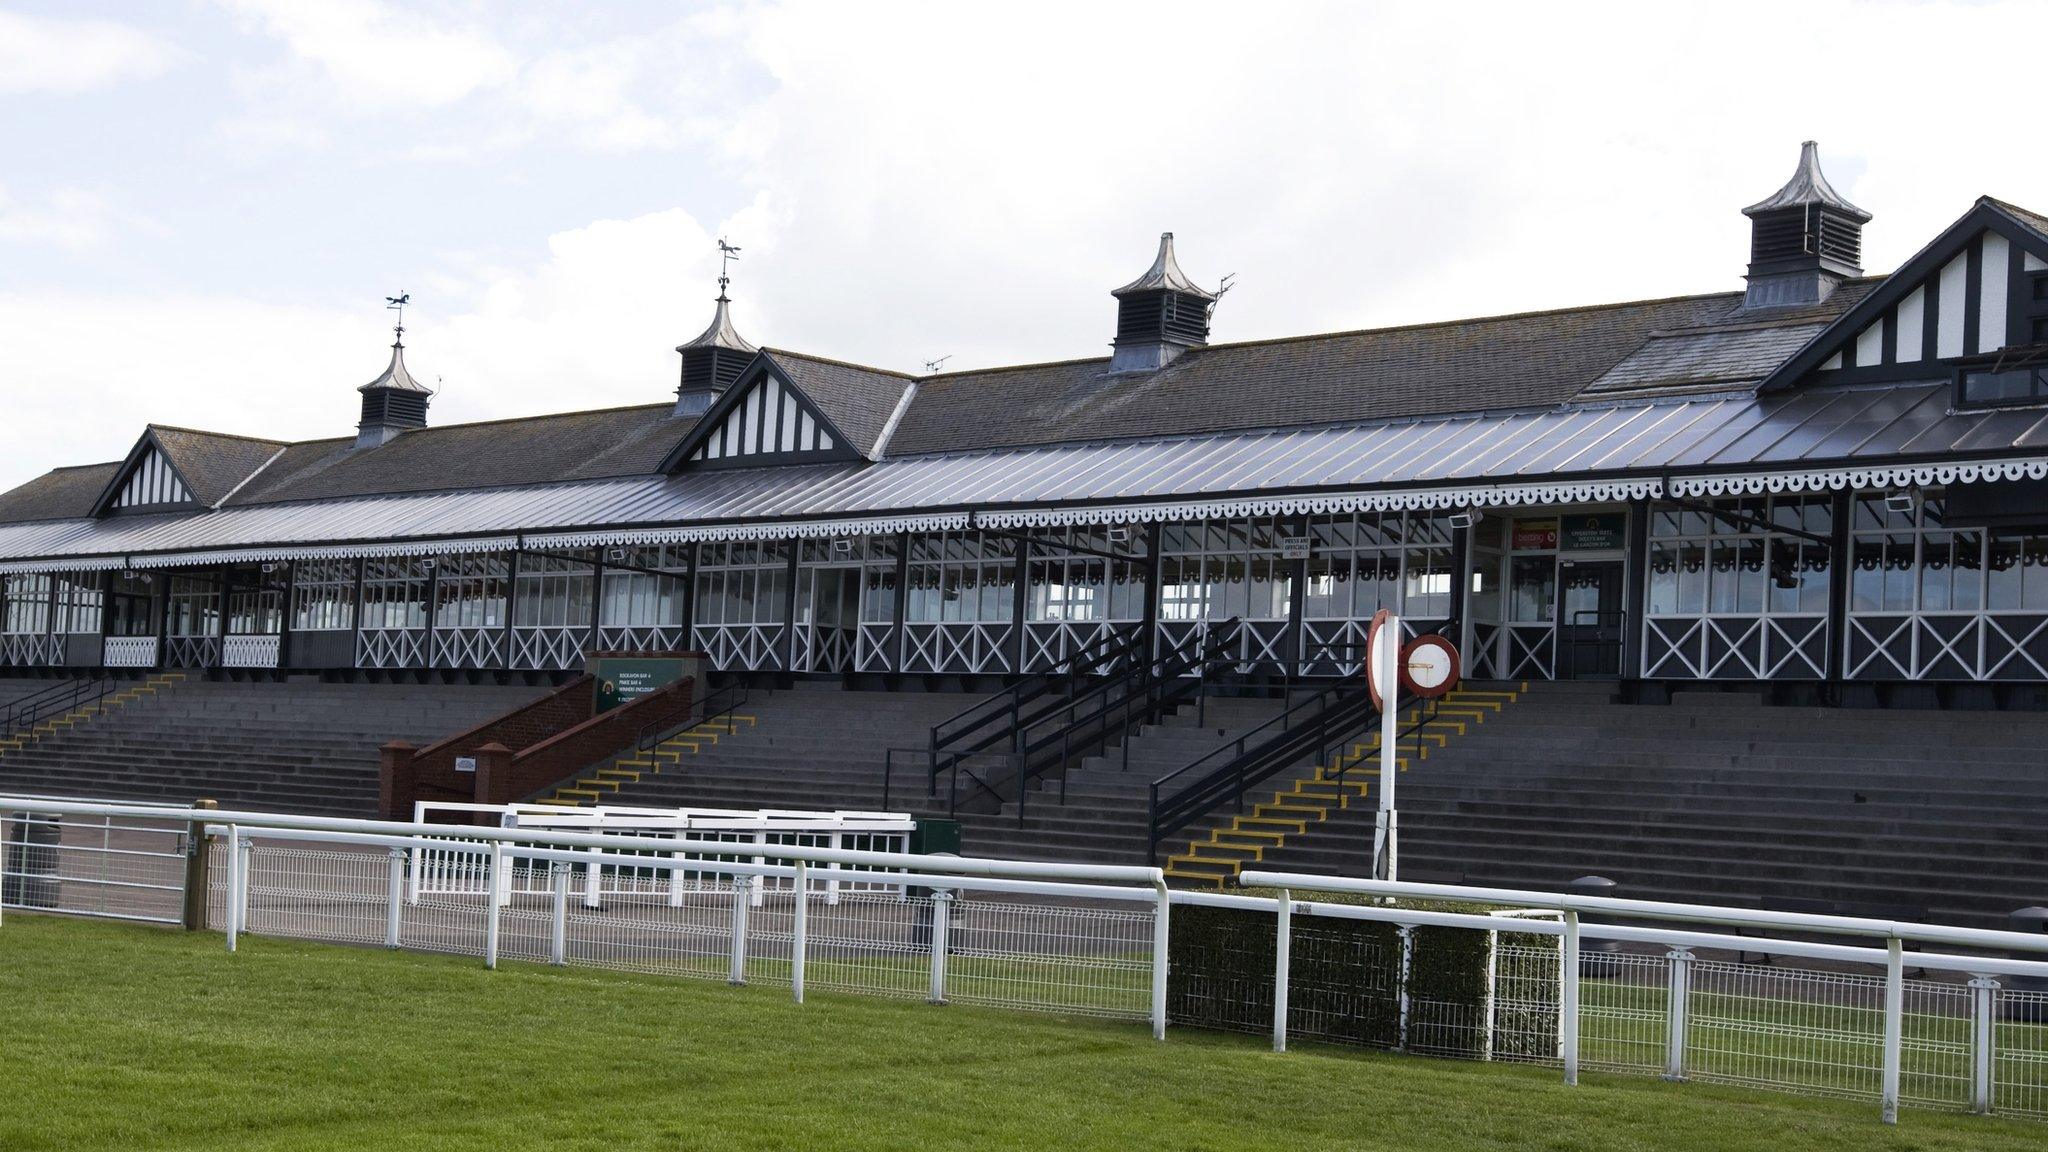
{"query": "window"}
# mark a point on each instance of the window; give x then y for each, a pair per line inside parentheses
(1219, 569)
(194, 607)
(77, 602)
(469, 592)
(1990, 388)
(28, 604)
(255, 611)
(743, 582)
(643, 599)
(394, 594)
(324, 596)
(552, 592)
(961, 577)
(1075, 586)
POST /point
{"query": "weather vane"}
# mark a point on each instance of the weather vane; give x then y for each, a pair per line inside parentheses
(727, 253)
(397, 304)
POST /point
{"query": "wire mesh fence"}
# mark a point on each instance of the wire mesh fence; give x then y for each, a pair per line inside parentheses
(1351, 975)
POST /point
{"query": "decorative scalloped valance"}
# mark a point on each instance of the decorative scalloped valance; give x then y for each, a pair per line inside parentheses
(801, 530)
(1481, 496)
(1837, 479)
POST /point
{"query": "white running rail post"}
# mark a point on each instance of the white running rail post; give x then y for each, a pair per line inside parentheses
(394, 895)
(942, 922)
(592, 877)
(1388, 839)
(799, 931)
(1160, 935)
(1568, 1000)
(558, 925)
(491, 905)
(1894, 1023)
(675, 875)
(1983, 1040)
(741, 888)
(235, 882)
(1283, 928)
(1678, 994)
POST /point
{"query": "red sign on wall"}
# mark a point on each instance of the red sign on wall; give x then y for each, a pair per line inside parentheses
(1536, 535)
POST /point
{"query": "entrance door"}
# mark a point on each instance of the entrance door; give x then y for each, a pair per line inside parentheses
(828, 613)
(1589, 619)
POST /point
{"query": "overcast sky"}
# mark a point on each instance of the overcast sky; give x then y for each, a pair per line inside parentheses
(202, 205)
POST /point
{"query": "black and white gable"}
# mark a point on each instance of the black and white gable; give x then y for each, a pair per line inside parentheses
(1978, 294)
(788, 408)
(150, 483)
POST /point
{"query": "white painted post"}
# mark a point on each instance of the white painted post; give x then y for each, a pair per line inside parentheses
(799, 931)
(942, 923)
(558, 926)
(1283, 929)
(1894, 1024)
(248, 879)
(760, 885)
(1983, 1040)
(1492, 990)
(1677, 1011)
(592, 875)
(4, 815)
(1568, 1000)
(1387, 836)
(1161, 912)
(675, 875)
(394, 895)
(412, 892)
(741, 886)
(491, 906)
(235, 882)
(832, 885)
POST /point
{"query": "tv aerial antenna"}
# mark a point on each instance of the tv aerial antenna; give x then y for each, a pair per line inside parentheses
(931, 367)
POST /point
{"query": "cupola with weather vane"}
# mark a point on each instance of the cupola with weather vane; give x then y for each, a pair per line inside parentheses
(394, 402)
(713, 360)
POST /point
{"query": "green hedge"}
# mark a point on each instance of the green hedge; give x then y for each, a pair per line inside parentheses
(1344, 979)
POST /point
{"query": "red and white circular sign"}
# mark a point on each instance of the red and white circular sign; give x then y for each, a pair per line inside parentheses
(1429, 666)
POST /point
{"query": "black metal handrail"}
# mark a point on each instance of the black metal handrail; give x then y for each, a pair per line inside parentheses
(718, 704)
(61, 698)
(1087, 721)
(1331, 717)
(968, 730)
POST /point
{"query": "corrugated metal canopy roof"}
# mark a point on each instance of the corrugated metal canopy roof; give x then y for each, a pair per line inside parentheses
(1539, 455)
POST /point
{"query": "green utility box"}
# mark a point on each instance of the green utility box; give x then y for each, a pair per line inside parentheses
(934, 836)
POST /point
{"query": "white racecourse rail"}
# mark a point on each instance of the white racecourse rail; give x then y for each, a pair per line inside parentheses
(1678, 1000)
(445, 870)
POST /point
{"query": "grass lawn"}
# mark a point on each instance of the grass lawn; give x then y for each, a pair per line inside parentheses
(117, 1036)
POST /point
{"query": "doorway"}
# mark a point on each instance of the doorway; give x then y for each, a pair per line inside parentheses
(1589, 619)
(827, 618)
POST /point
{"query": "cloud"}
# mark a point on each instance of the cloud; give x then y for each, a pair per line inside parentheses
(71, 218)
(379, 56)
(40, 54)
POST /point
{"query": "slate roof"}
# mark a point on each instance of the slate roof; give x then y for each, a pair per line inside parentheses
(213, 463)
(489, 454)
(1529, 360)
(59, 494)
(858, 400)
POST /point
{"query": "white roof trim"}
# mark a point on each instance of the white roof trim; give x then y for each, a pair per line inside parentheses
(802, 530)
(325, 552)
(1881, 476)
(1478, 496)
(82, 564)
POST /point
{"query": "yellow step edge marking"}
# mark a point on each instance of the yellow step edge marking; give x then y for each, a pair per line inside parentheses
(1216, 859)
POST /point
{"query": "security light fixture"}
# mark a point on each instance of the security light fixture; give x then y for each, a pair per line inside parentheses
(1903, 502)
(429, 563)
(615, 555)
(1464, 518)
(842, 547)
(1120, 535)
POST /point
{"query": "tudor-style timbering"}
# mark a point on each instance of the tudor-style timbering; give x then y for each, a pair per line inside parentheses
(769, 420)
(153, 484)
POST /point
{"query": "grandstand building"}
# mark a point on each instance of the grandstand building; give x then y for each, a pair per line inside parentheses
(1832, 483)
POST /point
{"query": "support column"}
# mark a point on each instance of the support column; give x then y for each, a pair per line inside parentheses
(594, 641)
(284, 613)
(1020, 608)
(355, 655)
(900, 635)
(511, 606)
(1461, 584)
(689, 579)
(796, 550)
(1841, 564)
(1297, 596)
(1153, 591)
(433, 609)
(1636, 584)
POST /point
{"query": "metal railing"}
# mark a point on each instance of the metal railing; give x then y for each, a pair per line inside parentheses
(1890, 1024)
(1068, 729)
(716, 706)
(20, 717)
(997, 720)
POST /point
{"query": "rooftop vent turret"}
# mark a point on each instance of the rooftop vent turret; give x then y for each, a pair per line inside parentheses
(1804, 240)
(714, 359)
(394, 401)
(1159, 315)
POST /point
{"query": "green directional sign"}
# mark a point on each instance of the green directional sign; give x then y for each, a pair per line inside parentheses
(624, 679)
